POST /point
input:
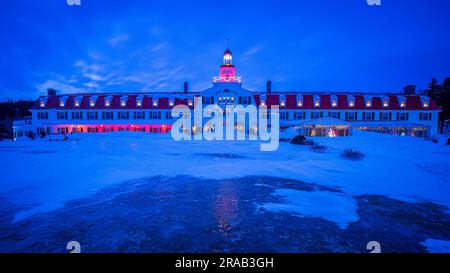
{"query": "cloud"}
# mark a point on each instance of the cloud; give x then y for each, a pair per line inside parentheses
(252, 51)
(90, 71)
(116, 40)
(60, 87)
(159, 47)
(91, 85)
(94, 77)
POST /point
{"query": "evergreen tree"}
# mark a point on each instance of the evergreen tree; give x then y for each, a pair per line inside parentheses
(440, 93)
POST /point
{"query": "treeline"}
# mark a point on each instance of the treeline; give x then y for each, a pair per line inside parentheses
(10, 111)
(440, 93)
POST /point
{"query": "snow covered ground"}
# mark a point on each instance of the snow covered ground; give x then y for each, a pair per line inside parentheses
(42, 176)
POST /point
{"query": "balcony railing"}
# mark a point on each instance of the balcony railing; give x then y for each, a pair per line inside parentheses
(228, 79)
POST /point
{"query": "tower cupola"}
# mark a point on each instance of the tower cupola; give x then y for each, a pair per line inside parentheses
(227, 57)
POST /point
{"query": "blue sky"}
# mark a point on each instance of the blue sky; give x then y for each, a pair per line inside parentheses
(312, 45)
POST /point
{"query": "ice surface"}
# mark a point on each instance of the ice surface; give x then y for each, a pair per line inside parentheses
(48, 174)
(333, 206)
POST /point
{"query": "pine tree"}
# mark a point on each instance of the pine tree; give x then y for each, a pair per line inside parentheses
(440, 93)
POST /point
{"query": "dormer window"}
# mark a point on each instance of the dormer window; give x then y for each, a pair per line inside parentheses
(351, 101)
(385, 102)
(316, 101)
(62, 101)
(108, 100)
(92, 101)
(123, 101)
(425, 101)
(42, 102)
(282, 100)
(368, 101)
(139, 100)
(333, 101)
(402, 102)
(262, 100)
(77, 101)
(300, 101)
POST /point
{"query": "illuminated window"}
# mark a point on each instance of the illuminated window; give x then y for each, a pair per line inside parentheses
(62, 101)
(139, 103)
(155, 102)
(368, 101)
(300, 101)
(385, 102)
(92, 101)
(282, 100)
(425, 101)
(42, 104)
(262, 100)
(316, 101)
(77, 103)
(401, 101)
(107, 103)
(333, 101)
(351, 101)
(190, 102)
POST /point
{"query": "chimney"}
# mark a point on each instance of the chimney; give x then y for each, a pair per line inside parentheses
(409, 90)
(186, 87)
(51, 92)
(269, 87)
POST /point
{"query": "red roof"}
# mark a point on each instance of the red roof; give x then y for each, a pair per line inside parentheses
(413, 102)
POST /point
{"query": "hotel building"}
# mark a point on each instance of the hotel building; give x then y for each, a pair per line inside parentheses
(313, 113)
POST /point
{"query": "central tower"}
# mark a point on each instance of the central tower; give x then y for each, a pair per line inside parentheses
(227, 71)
